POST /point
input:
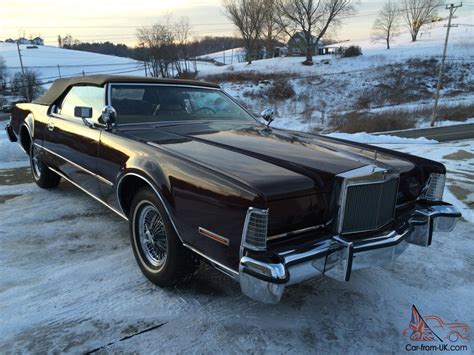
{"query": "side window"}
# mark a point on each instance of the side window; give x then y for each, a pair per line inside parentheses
(89, 96)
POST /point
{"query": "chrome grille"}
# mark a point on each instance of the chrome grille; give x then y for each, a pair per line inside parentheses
(368, 206)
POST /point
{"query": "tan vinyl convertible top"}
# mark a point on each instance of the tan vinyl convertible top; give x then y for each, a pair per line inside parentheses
(60, 86)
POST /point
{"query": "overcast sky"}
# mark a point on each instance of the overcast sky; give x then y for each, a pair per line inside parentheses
(117, 20)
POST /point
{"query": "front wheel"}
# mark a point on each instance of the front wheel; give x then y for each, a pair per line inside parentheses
(157, 249)
(43, 176)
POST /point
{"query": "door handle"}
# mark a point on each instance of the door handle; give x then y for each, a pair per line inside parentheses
(50, 126)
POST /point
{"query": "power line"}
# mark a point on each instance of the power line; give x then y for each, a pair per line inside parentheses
(138, 68)
(76, 65)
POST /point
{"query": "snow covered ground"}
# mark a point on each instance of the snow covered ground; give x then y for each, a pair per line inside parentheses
(45, 61)
(429, 44)
(69, 283)
(334, 85)
(228, 56)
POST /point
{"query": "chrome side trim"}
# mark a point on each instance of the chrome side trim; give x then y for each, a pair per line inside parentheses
(214, 236)
(77, 165)
(87, 192)
(104, 180)
(228, 270)
(157, 192)
(296, 232)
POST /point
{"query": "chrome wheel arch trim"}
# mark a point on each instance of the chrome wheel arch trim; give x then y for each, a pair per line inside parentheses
(155, 190)
(218, 265)
(24, 126)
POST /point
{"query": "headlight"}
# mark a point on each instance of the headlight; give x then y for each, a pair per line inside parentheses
(254, 235)
(434, 188)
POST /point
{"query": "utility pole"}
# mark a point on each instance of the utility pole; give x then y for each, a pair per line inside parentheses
(25, 81)
(59, 70)
(452, 9)
(142, 44)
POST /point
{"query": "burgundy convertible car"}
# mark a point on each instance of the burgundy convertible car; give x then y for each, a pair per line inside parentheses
(199, 178)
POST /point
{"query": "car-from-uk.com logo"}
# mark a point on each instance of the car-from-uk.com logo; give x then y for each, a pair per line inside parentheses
(432, 333)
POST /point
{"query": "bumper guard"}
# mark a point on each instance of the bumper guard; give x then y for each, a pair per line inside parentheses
(337, 257)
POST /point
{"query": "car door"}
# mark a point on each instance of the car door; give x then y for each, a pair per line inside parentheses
(71, 142)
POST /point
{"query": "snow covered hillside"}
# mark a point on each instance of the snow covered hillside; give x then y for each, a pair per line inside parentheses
(403, 77)
(228, 56)
(52, 62)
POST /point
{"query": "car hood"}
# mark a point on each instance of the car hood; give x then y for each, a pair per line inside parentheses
(275, 161)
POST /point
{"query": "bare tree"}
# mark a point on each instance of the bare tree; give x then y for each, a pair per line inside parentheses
(27, 85)
(165, 47)
(3, 74)
(417, 13)
(248, 17)
(313, 18)
(272, 28)
(160, 48)
(68, 41)
(182, 35)
(386, 25)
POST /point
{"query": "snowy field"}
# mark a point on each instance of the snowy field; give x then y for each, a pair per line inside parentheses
(334, 85)
(69, 282)
(45, 61)
(429, 44)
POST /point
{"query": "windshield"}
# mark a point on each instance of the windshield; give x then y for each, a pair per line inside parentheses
(161, 103)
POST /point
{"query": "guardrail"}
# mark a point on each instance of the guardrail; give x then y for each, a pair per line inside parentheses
(441, 134)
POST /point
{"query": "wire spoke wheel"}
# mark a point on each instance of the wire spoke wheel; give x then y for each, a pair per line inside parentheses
(35, 163)
(152, 236)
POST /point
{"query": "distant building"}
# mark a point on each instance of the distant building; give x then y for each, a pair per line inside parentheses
(281, 51)
(297, 45)
(332, 48)
(23, 40)
(38, 41)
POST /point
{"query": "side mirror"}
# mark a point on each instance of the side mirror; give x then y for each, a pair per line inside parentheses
(85, 113)
(109, 116)
(267, 115)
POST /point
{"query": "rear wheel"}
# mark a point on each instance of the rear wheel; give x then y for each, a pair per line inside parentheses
(156, 246)
(43, 177)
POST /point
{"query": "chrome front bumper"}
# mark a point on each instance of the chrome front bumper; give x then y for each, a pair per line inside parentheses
(337, 257)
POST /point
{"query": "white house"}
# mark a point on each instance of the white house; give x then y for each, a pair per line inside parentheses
(38, 41)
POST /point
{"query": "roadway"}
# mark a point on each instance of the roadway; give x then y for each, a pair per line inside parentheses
(441, 134)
